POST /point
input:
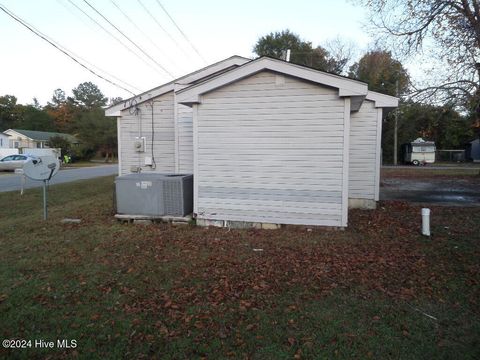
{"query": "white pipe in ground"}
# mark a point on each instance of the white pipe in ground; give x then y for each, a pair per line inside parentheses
(426, 222)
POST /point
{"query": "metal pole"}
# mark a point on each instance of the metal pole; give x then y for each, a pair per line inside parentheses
(395, 133)
(45, 213)
(395, 138)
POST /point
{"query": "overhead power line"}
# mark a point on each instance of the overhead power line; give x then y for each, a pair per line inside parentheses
(130, 40)
(181, 32)
(149, 13)
(60, 48)
(114, 37)
(129, 19)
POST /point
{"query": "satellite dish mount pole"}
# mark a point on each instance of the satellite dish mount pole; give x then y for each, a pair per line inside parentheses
(45, 210)
(45, 181)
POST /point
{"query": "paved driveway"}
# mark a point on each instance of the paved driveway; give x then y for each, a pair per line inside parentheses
(11, 182)
(451, 190)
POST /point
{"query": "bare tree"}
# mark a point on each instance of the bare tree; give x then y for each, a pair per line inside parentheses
(343, 50)
(447, 31)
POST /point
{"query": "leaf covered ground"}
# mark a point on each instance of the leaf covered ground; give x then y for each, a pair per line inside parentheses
(376, 290)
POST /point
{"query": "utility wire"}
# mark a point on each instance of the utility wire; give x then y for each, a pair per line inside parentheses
(181, 32)
(161, 27)
(141, 31)
(78, 56)
(126, 37)
(60, 48)
(113, 36)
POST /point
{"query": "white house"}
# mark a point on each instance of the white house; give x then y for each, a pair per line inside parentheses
(5, 150)
(267, 141)
(4, 144)
(19, 138)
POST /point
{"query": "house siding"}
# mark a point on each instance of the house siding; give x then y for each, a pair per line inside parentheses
(137, 125)
(363, 152)
(270, 148)
(185, 139)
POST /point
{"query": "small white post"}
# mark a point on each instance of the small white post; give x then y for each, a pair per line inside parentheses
(287, 57)
(426, 222)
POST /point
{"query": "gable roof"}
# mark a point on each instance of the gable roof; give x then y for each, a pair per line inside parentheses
(184, 81)
(345, 86)
(44, 135)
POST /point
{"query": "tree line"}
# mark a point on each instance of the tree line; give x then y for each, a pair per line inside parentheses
(81, 115)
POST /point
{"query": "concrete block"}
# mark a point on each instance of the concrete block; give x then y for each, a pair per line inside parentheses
(368, 204)
(208, 222)
(270, 226)
(242, 224)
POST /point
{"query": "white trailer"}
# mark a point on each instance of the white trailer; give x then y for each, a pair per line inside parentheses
(419, 152)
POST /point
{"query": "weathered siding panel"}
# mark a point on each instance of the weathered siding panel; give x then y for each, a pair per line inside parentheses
(133, 125)
(185, 139)
(269, 148)
(363, 151)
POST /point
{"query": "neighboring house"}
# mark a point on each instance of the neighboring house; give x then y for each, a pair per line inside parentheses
(472, 150)
(267, 141)
(4, 143)
(5, 150)
(35, 139)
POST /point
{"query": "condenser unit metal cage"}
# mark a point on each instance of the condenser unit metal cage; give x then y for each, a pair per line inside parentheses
(154, 194)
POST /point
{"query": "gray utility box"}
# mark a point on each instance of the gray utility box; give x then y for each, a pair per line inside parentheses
(154, 194)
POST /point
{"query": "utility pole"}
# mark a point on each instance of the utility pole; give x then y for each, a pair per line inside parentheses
(395, 131)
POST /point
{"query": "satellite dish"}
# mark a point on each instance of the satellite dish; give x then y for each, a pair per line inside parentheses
(41, 168)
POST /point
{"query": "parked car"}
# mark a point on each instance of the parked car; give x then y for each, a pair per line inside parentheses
(12, 162)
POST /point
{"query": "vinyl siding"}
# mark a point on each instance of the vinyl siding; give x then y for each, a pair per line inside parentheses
(132, 126)
(185, 139)
(363, 149)
(269, 148)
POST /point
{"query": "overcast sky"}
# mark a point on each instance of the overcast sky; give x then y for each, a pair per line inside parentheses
(30, 67)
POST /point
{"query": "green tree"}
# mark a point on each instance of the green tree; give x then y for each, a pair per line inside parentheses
(302, 52)
(8, 112)
(60, 142)
(442, 124)
(87, 95)
(32, 118)
(382, 72)
(97, 132)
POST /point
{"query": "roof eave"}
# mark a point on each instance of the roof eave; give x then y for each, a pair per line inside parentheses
(382, 100)
(115, 110)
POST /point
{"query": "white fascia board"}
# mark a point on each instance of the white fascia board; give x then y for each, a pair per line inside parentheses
(116, 110)
(347, 87)
(382, 100)
(179, 83)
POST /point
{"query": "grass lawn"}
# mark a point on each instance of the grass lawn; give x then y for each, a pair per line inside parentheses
(376, 290)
